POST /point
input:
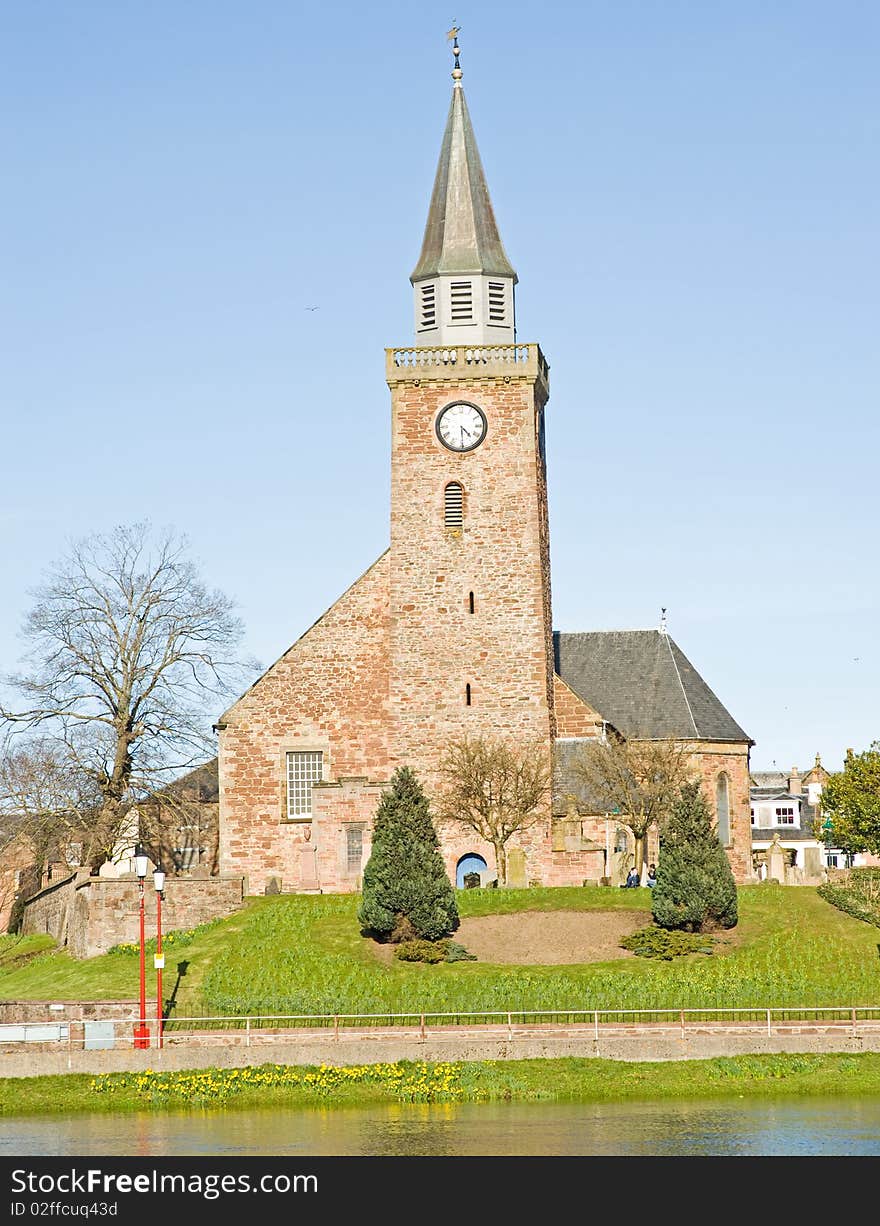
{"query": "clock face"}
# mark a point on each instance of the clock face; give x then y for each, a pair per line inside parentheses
(461, 427)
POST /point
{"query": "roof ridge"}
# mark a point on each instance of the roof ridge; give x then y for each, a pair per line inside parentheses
(681, 683)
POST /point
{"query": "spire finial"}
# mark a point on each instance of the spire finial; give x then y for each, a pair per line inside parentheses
(663, 621)
(453, 34)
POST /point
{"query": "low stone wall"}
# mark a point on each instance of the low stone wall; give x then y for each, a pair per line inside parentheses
(17, 1012)
(320, 1049)
(92, 914)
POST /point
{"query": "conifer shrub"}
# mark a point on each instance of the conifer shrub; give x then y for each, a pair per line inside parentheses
(406, 892)
(654, 942)
(695, 890)
(422, 951)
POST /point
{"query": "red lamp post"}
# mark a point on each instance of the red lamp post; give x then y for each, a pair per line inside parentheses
(141, 1030)
(159, 960)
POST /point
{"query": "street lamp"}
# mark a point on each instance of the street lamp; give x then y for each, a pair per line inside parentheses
(159, 960)
(141, 1033)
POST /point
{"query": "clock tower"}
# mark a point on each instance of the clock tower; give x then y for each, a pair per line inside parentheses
(470, 627)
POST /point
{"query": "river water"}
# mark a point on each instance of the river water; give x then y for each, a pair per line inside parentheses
(833, 1127)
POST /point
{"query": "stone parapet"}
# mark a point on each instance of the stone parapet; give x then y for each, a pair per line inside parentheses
(455, 363)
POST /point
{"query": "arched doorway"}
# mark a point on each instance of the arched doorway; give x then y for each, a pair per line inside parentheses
(471, 863)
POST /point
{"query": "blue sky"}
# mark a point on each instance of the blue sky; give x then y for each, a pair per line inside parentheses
(689, 194)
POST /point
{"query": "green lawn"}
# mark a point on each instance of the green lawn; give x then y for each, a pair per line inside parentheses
(563, 1080)
(304, 954)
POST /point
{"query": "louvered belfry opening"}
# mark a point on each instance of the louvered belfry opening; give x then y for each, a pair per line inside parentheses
(496, 302)
(429, 306)
(462, 302)
(453, 506)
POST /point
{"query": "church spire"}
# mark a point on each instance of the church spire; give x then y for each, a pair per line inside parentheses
(463, 280)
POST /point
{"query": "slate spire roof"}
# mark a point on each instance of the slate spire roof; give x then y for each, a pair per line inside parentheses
(642, 683)
(461, 235)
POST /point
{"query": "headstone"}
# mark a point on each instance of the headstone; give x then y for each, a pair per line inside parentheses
(472, 881)
(776, 861)
(813, 869)
(516, 868)
(273, 885)
(308, 867)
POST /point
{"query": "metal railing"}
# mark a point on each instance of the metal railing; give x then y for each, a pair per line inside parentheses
(269, 1029)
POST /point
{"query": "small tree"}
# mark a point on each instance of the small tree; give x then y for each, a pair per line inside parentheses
(695, 889)
(495, 789)
(851, 803)
(638, 781)
(406, 891)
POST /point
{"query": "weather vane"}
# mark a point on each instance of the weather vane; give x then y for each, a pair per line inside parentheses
(453, 34)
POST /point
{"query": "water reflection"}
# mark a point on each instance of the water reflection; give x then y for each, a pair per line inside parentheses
(736, 1127)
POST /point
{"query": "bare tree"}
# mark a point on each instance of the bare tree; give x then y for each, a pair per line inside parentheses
(495, 789)
(636, 780)
(129, 651)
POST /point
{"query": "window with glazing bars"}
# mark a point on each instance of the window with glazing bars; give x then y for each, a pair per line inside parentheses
(354, 848)
(303, 769)
(461, 302)
(453, 505)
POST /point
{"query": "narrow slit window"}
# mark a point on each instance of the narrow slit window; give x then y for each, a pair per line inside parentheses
(722, 808)
(428, 306)
(470, 602)
(453, 505)
(461, 302)
(497, 303)
(467, 695)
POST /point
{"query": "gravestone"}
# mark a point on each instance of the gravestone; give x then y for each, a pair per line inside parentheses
(308, 867)
(776, 861)
(813, 868)
(471, 881)
(516, 868)
(273, 885)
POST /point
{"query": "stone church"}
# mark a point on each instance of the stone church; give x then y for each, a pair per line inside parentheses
(449, 632)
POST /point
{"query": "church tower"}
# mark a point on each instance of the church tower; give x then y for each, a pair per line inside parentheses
(470, 626)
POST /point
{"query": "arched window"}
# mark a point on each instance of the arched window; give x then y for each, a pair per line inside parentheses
(722, 808)
(453, 505)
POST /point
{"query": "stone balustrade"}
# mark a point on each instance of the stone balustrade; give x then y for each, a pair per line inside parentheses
(413, 364)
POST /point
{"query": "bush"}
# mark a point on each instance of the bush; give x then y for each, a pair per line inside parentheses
(421, 951)
(654, 942)
(406, 892)
(695, 889)
(458, 953)
(859, 897)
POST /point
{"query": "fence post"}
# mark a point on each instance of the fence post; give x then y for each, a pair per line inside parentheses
(854, 1022)
(247, 1036)
(681, 1019)
(336, 1027)
(509, 1027)
(422, 1025)
(769, 1031)
(596, 1024)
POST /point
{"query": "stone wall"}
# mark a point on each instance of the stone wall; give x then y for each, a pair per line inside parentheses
(92, 914)
(49, 911)
(327, 693)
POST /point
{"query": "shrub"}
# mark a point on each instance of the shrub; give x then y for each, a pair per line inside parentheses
(458, 953)
(406, 892)
(695, 889)
(859, 897)
(421, 951)
(654, 942)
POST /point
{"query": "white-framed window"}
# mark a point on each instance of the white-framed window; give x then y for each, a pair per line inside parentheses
(785, 816)
(354, 848)
(304, 768)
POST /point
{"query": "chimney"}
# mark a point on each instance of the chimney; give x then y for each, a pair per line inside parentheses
(794, 782)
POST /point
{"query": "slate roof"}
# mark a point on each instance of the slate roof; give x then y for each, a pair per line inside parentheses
(567, 781)
(461, 234)
(641, 682)
(769, 779)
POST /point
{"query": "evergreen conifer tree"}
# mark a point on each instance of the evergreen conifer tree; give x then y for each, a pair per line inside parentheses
(695, 889)
(406, 891)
